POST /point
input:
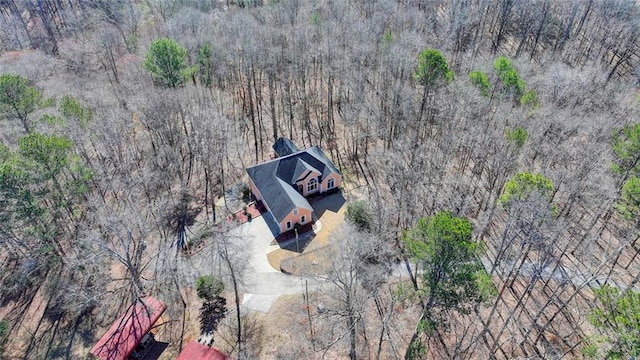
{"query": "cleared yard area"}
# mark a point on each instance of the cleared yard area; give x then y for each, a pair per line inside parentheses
(330, 214)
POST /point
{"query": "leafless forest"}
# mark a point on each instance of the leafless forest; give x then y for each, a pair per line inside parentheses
(104, 175)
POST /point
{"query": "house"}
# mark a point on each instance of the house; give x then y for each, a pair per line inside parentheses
(123, 339)
(283, 184)
(196, 351)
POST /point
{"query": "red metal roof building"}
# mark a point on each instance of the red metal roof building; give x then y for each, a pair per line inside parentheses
(127, 331)
(196, 351)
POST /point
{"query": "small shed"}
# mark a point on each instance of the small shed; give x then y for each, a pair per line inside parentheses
(196, 351)
(127, 331)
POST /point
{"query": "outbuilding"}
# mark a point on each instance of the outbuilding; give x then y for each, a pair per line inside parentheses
(123, 339)
(196, 351)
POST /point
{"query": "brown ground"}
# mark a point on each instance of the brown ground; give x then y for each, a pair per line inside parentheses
(288, 323)
(284, 323)
(330, 219)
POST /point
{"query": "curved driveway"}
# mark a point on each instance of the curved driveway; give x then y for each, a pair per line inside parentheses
(261, 278)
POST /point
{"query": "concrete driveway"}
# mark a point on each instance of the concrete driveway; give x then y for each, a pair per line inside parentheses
(263, 283)
(255, 237)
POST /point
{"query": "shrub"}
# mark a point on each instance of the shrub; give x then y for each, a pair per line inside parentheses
(4, 329)
(509, 76)
(523, 185)
(481, 80)
(432, 68)
(518, 136)
(359, 214)
(4, 333)
(529, 99)
(246, 192)
(209, 287)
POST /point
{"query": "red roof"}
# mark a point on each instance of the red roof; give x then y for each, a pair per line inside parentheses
(127, 332)
(196, 351)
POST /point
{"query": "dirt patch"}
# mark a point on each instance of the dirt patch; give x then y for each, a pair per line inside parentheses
(314, 262)
(276, 257)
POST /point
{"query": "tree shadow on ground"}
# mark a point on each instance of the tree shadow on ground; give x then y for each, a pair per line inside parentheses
(211, 313)
(57, 332)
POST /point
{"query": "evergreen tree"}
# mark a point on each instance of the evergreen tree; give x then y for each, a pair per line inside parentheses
(167, 63)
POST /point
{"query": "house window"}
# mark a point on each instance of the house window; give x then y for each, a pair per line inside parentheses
(331, 183)
(312, 185)
(302, 219)
(295, 211)
(289, 225)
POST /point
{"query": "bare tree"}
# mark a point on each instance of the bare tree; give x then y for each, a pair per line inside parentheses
(359, 267)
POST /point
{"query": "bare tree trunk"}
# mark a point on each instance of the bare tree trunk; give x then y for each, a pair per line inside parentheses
(272, 104)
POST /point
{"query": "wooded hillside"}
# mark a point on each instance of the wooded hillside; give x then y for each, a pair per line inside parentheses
(124, 122)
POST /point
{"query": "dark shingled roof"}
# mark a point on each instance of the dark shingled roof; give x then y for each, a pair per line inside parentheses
(301, 168)
(280, 196)
(276, 179)
(284, 147)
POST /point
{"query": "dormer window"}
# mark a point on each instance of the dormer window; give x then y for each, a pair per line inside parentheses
(312, 185)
